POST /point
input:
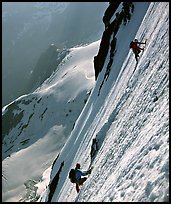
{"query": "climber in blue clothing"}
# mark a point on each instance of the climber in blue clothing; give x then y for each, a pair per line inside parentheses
(78, 177)
(79, 173)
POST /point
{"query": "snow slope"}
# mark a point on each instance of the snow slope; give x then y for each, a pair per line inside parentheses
(36, 126)
(129, 119)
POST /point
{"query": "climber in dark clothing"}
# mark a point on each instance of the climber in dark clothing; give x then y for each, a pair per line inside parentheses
(135, 48)
(78, 176)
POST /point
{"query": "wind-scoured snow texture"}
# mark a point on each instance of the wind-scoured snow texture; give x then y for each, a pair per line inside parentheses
(129, 119)
(37, 125)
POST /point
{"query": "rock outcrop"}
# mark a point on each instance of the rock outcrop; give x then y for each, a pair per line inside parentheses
(111, 29)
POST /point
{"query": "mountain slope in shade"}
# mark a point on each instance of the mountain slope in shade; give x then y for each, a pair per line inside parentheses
(28, 29)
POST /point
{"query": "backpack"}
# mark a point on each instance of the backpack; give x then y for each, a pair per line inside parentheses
(72, 176)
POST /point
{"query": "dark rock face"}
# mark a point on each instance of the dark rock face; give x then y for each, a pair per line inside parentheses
(109, 12)
(100, 58)
(94, 149)
(111, 29)
(54, 183)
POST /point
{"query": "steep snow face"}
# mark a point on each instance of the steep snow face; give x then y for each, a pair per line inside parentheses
(129, 119)
(36, 126)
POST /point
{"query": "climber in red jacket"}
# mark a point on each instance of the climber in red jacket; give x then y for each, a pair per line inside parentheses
(135, 48)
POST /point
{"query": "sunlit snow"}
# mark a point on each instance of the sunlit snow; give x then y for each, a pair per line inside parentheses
(130, 119)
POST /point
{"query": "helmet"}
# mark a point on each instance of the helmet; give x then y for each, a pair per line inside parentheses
(78, 166)
(135, 40)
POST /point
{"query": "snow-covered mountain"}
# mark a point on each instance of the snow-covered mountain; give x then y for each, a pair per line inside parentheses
(126, 117)
(42, 121)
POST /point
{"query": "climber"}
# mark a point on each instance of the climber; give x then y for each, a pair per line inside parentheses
(135, 48)
(78, 176)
